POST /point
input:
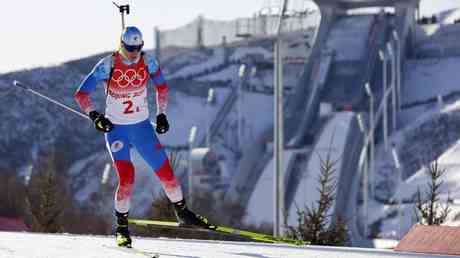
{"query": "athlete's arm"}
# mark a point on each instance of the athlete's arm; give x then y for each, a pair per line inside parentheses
(159, 82)
(100, 72)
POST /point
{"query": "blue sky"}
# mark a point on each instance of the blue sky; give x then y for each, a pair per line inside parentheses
(47, 32)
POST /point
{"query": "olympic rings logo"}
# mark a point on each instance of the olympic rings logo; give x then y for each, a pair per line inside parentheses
(129, 77)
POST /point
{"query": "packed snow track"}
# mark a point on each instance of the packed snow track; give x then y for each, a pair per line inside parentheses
(32, 245)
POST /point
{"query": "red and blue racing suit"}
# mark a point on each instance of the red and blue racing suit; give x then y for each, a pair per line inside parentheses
(126, 85)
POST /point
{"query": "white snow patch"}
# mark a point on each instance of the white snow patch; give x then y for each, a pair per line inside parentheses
(27, 245)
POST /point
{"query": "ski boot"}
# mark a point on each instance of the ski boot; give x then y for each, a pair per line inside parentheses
(187, 218)
(122, 231)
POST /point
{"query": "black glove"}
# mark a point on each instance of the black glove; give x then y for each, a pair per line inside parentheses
(162, 124)
(101, 123)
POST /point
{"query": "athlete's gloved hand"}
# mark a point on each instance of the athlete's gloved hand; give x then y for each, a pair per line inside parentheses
(162, 124)
(101, 123)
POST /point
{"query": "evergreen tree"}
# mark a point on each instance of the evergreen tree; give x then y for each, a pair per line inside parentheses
(428, 209)
(45, 198)
(314, 223)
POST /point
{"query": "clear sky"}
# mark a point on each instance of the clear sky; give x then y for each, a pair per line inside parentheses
(47, 32)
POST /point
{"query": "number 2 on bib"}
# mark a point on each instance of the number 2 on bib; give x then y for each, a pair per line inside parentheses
(128, 107)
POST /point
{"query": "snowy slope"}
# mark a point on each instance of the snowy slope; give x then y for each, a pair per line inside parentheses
(27, 245)
(427, 130)
(433, 135)
(388, 214)
(332, 141)
(407, 190)
(260, 208)
(427, 78)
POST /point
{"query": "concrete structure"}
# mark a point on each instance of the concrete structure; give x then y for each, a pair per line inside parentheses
(352, 4)
(343, 59)
(405, 12)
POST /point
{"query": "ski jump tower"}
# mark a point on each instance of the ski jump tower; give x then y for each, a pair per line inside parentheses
(405, 12)
(303, 110)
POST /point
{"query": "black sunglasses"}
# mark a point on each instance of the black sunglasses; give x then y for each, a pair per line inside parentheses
(130, 48)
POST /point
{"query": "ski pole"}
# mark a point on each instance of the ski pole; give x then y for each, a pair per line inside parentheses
(25, 87)
(123, 9)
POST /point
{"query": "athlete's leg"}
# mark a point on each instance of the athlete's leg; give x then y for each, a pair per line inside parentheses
(117, 142)
(148, 146)
(146, 143)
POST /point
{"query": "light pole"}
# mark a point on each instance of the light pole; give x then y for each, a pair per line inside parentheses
(364, 165)
(209, 102)
(383, 58)
(253, 74)
(392, 82)
(241, 75)
(278, 141)
(371, 132)
(191, 140)
(278, 130)
(398, 168)
(398, 68)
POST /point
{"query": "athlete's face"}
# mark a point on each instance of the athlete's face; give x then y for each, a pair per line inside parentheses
(132, 52)
(133, 55)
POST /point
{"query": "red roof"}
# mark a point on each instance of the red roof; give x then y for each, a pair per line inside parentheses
(12, 224)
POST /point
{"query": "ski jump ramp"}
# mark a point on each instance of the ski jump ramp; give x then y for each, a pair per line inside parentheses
(302, 112)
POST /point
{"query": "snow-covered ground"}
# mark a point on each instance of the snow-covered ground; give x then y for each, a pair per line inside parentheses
(424, 80)
(387, 214)
(260, 208)
(217, 58)
(331, 141)
(28, 245)
(427, 78)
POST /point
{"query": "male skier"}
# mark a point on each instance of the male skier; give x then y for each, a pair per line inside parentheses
(125, 75)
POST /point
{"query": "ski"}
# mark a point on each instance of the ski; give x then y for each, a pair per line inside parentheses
(133, 250)
(225, 230)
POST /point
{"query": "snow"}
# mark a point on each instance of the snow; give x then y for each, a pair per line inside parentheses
(226, 74)
(331, 142)
(449, 16)
(217, 58)
(387, 214)
(33, 245)
(242, 52)
(260, 207)
(197, 113)
(427, 78)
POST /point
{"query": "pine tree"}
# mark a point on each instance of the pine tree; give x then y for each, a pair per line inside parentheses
(11, 204)
(428, 209)
(314, 223)
(45, 198)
